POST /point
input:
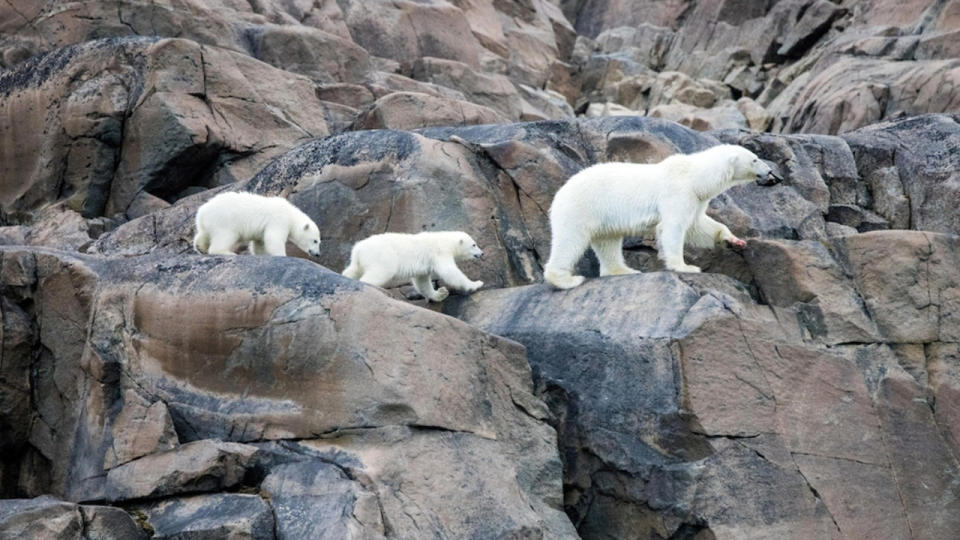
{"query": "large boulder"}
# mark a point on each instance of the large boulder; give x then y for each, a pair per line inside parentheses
(246, 350)
(128, 125)
(817, 401)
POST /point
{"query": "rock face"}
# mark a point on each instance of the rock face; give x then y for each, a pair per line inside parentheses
(813, 66)
(818, 398)
(393, 420)
(806, 387)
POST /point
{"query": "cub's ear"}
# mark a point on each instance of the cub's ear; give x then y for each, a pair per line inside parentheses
(306, 226)
(462, 241)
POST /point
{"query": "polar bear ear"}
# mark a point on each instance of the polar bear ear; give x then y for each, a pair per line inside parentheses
(462, 241)
(306, 226)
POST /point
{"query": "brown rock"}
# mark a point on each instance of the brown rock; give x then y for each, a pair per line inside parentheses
(140, 429)
(909, 281)
(351, 95)
(411, 110)
(324, 57)
(491, 90)
(170, 139)
(205, 465)
(192, 349)
(408, 31)
(805, 277)
(724, 116)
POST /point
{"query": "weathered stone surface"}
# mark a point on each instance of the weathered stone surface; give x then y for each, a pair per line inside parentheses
(204, 465)
(47, 517)
(910, 168)
(199, 344)
(141, 428)
(910, 282)
(102, 123)
(412, 110)
(735, 393)
(226, 515)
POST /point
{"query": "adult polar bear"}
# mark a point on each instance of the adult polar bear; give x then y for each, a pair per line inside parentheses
(601, 204)
(265, 223)
(385, 259)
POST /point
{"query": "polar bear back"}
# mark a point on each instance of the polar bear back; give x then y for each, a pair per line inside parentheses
(248, 214)
(621, 197)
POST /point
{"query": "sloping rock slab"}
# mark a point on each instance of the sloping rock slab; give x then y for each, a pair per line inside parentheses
(251, 349)
(673, 392)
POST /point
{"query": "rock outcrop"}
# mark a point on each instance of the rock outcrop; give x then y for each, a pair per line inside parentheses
(792, 413)
(805, 387)
(291, 386)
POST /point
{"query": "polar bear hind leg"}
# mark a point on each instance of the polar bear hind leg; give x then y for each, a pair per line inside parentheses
(201, 241)
(566, 248)
(379, 277)
(353, 270)
(609, 252)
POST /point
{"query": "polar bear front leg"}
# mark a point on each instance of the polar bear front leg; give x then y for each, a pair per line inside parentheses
(708, 232)
(609, 252)
(275, 241)
(447, 271)
(424, 286)
(670, 238)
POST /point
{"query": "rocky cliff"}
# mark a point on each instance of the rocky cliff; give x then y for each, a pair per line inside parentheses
(805, 387)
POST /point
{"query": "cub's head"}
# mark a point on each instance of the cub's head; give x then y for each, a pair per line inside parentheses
(306, 236)
(467, 248)
(748, 167)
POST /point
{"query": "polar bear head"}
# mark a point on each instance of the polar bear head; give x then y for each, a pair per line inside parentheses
(306, 236)
(466, 247)
(745, 167)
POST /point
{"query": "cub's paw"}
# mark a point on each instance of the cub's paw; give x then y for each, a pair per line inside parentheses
(737, 243)
(441, 294)
(688, 268)
(474, 285)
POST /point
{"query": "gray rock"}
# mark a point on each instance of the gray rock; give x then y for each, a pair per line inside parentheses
(47, 517)
(222, 515)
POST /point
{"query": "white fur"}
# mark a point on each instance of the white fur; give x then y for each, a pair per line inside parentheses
(265, 223)
(601, 204)
(387, 258)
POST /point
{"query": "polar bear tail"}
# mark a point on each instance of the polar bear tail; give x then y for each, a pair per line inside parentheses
(353, 270)
(201, 242)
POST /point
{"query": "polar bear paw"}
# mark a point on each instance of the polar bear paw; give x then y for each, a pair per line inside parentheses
(561, 279)
(737, 243)
(441, 294)
(687, 268)
(473, 286)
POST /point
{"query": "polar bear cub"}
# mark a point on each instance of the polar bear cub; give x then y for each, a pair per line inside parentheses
(601, 204)
(390, 258)
(265, 223)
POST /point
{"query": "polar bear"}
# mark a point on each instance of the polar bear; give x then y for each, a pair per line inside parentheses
(263, 223)
(390, 258)
(601, 204)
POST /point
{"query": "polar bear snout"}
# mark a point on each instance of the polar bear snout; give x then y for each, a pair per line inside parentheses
(770, 178)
